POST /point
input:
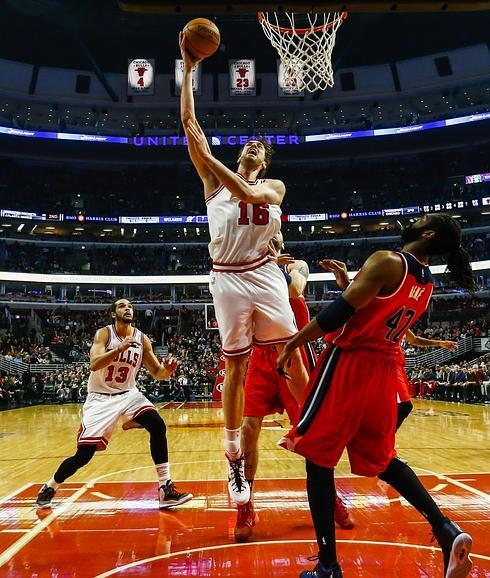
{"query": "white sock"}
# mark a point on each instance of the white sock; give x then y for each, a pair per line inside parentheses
(163, 473)
(53, 484)
(232, 441)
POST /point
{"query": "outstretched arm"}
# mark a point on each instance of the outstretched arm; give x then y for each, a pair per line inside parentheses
(381, 273)
(413, 339)
(159, 370)
(187, 113)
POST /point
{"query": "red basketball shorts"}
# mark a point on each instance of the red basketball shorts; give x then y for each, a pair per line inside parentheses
(350, 403)
(266, 392)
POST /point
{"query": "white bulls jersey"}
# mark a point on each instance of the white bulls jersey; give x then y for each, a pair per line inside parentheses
(120, 375)
(240, 232)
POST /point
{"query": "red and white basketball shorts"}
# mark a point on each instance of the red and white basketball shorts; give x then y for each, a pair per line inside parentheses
(350, 403)
(403, 393)
(102, 412)
(252, 306)
(266, 392)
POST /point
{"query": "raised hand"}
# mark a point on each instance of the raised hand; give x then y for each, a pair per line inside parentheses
(189, 60)
(453, 345)
(339, 269)
(280, 258)
(170, 365)
(127, 342)
(283, 361)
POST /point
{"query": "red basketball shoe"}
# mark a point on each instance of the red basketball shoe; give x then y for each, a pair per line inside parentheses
(341, 514)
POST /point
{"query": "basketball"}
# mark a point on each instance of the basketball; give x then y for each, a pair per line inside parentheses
(202, 37)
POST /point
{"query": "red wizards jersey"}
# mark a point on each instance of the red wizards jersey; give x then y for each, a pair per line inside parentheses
(384, 322)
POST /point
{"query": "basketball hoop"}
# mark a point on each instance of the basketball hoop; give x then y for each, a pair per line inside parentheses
(304, 43)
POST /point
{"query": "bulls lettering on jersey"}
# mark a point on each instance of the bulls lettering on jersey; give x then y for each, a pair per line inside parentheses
(121, 373)
(385, 321)
(240, 232)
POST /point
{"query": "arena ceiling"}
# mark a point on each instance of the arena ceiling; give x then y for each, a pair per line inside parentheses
(94, 33)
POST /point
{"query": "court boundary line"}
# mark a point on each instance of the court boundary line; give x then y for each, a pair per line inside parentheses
(223, 479)
(17, 546)
(115, 571)
(456, 483)
(16, 492)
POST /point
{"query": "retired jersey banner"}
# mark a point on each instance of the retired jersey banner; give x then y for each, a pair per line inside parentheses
(290, 88)
(242, 77)
(141, 76)
(196, 77)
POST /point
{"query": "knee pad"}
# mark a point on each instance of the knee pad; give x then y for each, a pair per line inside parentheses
(84, 455)
(152, 422)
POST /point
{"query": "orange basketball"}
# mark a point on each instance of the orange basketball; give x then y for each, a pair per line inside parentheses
(202, 37)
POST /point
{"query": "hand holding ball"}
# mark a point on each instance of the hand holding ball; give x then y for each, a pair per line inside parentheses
(202, 38)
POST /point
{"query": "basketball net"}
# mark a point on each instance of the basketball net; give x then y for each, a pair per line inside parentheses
(304, 43)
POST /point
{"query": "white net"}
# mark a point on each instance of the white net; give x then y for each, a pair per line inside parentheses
(304, 43)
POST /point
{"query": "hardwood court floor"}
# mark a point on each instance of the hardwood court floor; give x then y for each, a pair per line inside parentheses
(112, 526)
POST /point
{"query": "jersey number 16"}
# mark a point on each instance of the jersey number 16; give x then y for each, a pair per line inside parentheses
(260, 214)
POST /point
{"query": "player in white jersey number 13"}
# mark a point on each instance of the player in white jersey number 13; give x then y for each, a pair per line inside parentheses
(249, 291)
(115, 358)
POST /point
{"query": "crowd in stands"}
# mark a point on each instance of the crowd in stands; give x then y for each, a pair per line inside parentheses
(184, 259)
(197, 352)
(67, 336)
(321, 184)
(458, 382)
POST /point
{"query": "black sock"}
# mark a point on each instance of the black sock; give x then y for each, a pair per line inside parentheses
(72, 464)
(406, 483)
(321, 497)
(251, 484)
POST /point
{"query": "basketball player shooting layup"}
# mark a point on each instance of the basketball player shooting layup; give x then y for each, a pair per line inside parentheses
(351, 399)
(115, 358)
(249, 291)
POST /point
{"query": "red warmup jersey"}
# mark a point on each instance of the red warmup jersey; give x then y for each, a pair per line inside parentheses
(385, 321)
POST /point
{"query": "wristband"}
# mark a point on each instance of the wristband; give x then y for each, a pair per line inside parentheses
(335, 315)
(287, 276)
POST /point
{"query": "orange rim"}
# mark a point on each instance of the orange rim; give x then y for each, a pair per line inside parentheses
(300, 31)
